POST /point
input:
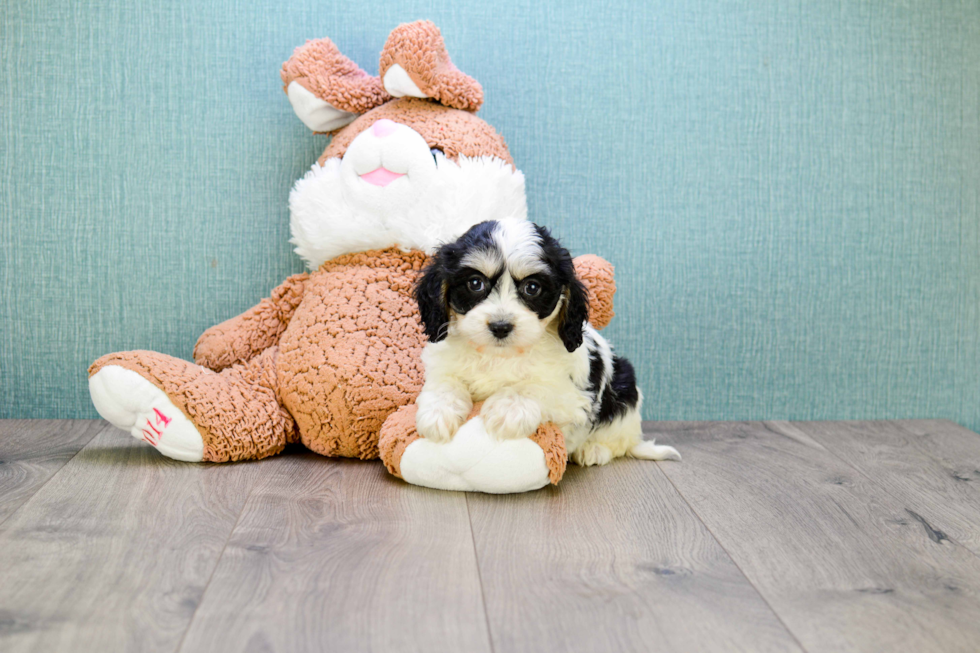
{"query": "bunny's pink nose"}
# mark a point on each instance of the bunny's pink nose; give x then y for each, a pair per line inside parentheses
(383, 127)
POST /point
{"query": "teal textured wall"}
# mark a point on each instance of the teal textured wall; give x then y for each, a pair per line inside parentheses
(790, 191)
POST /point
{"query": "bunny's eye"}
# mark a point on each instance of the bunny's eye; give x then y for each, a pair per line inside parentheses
(434, 151)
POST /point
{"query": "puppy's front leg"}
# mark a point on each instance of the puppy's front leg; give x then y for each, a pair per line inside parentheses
(442, 409)
(509, 415)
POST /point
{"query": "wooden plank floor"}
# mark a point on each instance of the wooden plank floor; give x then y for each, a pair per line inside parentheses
(776, 536)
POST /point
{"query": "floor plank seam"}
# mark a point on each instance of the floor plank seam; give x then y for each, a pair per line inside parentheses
(479, 574)
(899, 500)
(732, 558)
(50, 478)
(204, 594)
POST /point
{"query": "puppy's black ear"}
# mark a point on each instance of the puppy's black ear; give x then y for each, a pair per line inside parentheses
(573, 315)
(430, 293)
(575, 312)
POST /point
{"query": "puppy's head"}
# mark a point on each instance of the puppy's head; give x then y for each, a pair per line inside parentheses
(502, 287)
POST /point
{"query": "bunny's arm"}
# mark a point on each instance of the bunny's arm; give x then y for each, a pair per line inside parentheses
(241, 338)
(596, 274)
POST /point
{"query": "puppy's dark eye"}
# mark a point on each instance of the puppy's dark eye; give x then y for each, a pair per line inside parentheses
(531, 288)
(475, 285)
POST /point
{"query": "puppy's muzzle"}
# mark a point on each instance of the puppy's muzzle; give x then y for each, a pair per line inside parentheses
(500, 329)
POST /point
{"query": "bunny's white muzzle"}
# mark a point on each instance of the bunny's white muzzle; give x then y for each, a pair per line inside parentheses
(391, 189)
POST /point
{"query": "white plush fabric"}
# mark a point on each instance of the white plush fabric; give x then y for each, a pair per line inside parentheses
(314, 112)
(131, 403)
(399, 84)
(334, 211)
(474, 462)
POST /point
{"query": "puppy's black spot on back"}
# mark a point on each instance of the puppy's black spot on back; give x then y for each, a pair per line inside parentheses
(620, 394)
(596, 370)
(624, 381)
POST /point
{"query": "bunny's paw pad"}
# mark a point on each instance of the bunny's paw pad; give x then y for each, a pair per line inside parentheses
(131, 403)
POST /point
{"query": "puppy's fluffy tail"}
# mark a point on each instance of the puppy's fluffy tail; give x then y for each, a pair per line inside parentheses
(647, 450)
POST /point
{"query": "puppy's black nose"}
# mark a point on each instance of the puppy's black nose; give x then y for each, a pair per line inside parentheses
(500, 330)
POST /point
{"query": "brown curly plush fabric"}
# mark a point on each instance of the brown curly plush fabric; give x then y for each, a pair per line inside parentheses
(551, 440)
(239, 339)
(399, 431)
(325, 360)
(419, 49)
(351, 354)
(237, 412)
(453, 131)
(597, 275)
(326, 73)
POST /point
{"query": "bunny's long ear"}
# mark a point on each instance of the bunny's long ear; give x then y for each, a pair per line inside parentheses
(328, 90)
(415, 63)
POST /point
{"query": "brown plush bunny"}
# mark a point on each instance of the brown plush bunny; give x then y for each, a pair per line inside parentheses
(333, 353)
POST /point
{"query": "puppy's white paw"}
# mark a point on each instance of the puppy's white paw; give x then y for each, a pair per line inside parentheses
(509, 416)
(437, 424)
(440, 415)
(592, 453)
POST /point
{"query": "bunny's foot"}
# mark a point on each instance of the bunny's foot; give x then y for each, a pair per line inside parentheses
(189, 412)
(131, 403)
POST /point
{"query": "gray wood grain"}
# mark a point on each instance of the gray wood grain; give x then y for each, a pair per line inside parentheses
(932, 466)
(845, 565)
(31, 451)
(336, 555)
(842, 536)
(613, 559)
(114, 552)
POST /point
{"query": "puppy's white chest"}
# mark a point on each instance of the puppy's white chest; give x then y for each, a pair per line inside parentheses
(548, 377)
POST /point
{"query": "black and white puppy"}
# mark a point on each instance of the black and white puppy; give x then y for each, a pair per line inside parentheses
(506, 320)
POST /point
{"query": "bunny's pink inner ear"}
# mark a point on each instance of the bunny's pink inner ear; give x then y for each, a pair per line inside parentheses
(328, 90)
(415, 63)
